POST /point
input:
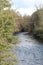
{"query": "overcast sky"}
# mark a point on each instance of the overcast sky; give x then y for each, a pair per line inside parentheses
(26, 6)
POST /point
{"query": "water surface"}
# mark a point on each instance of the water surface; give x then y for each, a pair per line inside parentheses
(29, 51)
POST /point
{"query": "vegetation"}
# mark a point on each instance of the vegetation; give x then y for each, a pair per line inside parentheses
(7, 28)
(37, 19)
(12, 22)
(26, 23)
(34, 23)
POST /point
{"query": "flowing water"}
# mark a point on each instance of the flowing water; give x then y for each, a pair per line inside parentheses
(29, 51)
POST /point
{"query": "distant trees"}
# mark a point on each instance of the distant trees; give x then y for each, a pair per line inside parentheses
(34, 23)
(26, 23)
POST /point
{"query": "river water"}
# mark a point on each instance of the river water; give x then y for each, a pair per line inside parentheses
(29, 51)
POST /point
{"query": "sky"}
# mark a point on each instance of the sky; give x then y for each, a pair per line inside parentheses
(26, 7)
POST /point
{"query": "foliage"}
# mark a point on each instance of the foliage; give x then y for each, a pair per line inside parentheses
(37, 19)
(26, 23)
(7, 28)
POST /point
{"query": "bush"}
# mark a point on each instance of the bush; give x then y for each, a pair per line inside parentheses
(37, 18)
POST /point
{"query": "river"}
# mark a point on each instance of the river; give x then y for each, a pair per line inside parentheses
(29, 51)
